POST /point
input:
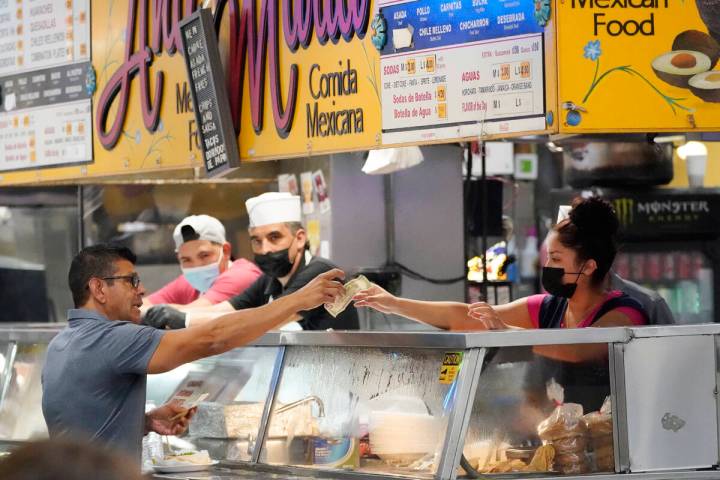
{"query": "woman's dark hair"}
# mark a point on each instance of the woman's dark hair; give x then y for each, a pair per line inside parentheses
(96, 261)
(590, 231)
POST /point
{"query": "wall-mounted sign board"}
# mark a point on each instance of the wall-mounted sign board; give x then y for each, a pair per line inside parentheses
(460, 68)
(45, 84)
(209, 93)
(631, 66)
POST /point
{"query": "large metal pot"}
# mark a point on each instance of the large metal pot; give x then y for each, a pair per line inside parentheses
(617, 164)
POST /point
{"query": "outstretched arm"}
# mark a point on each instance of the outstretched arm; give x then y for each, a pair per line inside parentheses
(448, 315)
(243, 326)
(445, 315)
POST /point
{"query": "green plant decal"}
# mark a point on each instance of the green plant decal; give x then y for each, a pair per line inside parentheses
(592, 51)
(373, 74)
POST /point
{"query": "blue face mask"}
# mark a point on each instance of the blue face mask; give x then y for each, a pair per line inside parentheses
(202, 278)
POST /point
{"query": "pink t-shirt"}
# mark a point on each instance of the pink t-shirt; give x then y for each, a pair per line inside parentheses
(231, 282)
(637, 317)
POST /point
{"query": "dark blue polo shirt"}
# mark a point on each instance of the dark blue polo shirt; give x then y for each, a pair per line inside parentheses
(94, 380)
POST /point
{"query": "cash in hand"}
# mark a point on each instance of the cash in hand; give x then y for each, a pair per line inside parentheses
(351, 288)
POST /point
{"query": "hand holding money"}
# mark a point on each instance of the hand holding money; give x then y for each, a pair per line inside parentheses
(324, 288)
(194, 404)
(168, 419)
(352, 287)
(377, 298)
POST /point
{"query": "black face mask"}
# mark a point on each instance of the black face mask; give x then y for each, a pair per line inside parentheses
(275, 264)
(552, 282)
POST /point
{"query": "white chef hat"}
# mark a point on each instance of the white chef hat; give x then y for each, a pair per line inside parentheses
(273, 207)
(563, 212)
(199, 227)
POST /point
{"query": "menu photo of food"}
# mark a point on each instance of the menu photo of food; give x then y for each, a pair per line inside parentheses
(306, 186)
(322, 191)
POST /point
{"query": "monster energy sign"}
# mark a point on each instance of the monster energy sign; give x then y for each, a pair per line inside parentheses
(675, 214)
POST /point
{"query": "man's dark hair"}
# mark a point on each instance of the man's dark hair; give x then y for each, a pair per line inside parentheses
(94, 261)
(294, 227)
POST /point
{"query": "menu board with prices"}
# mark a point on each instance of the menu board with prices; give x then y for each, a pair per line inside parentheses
(460, 68)
(209, 95)
(45, 72)
(42, 33)
(423, 24)
(45, 118)
(46, 136)
(477, 88)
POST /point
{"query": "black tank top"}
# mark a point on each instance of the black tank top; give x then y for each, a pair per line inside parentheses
(552, 309)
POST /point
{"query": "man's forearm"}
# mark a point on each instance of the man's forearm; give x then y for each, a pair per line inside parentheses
(241, 327)
(216, 336)
(195, 318)
(198, 316)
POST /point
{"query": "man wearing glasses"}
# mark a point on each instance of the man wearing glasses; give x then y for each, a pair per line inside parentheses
(95, 370)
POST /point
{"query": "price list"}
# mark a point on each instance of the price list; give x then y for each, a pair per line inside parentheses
(45, 112)
(39, 34)
(46, 137)
(486, 87)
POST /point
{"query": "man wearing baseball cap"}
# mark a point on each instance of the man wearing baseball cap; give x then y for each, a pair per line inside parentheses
(280, 245)
(208, 276)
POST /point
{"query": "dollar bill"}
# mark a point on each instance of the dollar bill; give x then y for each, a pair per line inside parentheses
(351, 288)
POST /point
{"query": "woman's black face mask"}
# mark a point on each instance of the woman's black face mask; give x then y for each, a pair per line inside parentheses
(552, 282)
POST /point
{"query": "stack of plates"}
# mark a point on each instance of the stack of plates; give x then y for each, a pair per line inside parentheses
(403, 436)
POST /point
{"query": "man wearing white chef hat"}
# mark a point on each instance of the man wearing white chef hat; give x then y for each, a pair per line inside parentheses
(280, 245)
(657, 309)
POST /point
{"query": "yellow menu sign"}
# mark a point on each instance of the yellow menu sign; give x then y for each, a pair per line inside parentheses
(301, 76)
(638, 65)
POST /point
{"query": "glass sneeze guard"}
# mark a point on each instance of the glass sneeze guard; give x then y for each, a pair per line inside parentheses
(235, 386)
(369, 410)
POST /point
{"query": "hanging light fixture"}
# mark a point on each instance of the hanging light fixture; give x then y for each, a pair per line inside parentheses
(695, 155)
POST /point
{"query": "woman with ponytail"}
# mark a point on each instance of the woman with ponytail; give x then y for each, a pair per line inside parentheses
(581, 250)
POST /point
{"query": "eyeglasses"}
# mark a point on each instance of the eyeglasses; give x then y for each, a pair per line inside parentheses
(134, 279)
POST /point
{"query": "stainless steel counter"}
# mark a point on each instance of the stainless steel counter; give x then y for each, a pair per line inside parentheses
(251, 473)
(221, 473)
(44, 332)
(488, 394)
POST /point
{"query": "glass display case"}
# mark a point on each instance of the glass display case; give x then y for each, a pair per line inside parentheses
(22, 354)
(540, 403)
(516, 425)
(371, 409)
(234, 386)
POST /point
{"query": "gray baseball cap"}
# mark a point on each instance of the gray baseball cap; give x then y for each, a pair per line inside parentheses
(199, 227)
